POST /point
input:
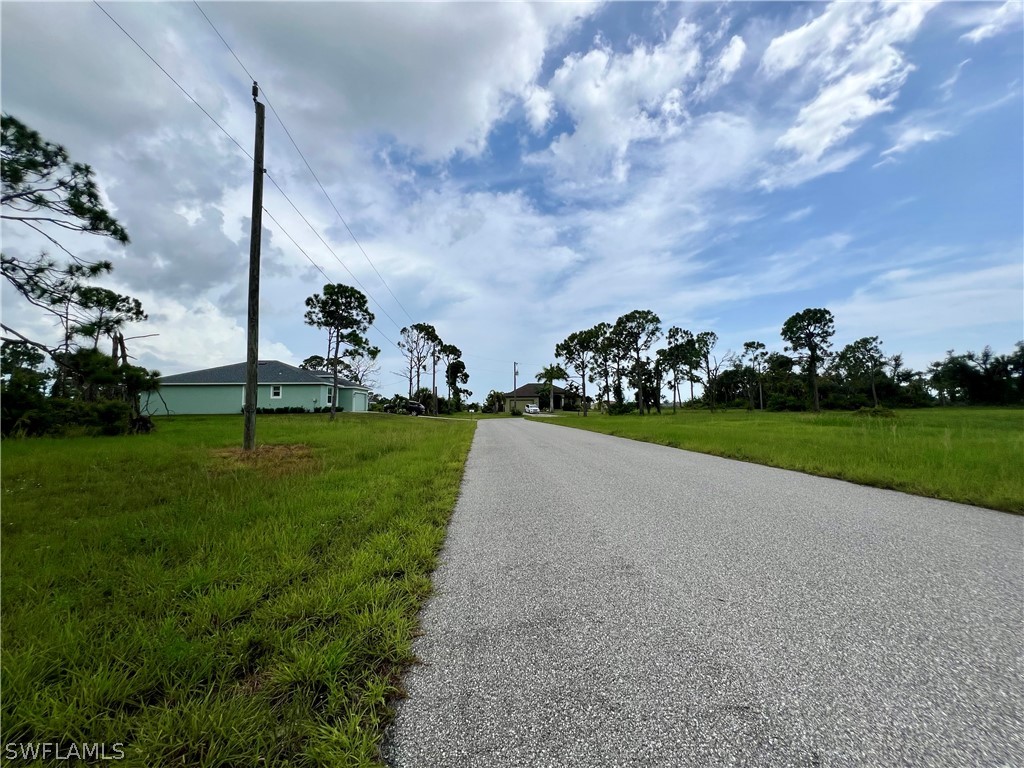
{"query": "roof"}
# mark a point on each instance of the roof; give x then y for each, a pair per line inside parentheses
(533, 390)
(268, 372)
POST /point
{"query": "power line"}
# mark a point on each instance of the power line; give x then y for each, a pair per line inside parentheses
(308, 166)
(247, 154)
(328, 247)
(189, 95)
(319, 269)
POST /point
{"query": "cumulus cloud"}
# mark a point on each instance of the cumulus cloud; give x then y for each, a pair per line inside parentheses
(616, 99)
(446, 79)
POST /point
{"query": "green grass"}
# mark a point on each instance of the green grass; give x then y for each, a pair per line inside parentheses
(476, 416)
(206, 609)
(971, 455)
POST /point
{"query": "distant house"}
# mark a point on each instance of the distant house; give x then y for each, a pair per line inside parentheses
(222, 390)
(530, 393)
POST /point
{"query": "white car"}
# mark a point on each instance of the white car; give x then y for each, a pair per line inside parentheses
(531, 408)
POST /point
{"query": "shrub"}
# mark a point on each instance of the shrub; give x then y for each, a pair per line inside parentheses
(617, 409)
(881, 412)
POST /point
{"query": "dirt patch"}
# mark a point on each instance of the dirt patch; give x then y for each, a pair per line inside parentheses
(270, 460)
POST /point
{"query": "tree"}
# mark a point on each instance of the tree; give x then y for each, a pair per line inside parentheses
(345, 314)
(811, 331)
(755, 353)
(704, 342)
(416, 344)
(680, 354)
(358, 363)
(455, 374)
(578, 350)
(634, 334)
(43, 190)
(863, 359)
(494, 402)
(449, 353)
(548, 376)
(603, 361)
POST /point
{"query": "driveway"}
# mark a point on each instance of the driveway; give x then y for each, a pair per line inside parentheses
(604, 602)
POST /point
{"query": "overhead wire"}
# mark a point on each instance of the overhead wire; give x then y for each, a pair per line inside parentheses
(309, 167)
(273, 181)
(249, 155)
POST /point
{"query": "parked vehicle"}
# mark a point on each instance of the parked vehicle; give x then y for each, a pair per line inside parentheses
(414, 408)
(531, 408)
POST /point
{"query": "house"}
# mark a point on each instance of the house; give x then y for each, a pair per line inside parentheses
(530, 393)
(222, 390)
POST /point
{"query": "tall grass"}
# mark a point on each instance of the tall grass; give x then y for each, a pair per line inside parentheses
(205, 608)
(970, 455)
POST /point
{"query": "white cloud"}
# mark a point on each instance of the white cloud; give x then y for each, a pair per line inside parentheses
(723, 69)
(540, 107)
(950, 83)
(849, 55)
(618, 99)
(935, 309)
(445, 80)
(991, 22)
(912, 135)
(798, 215)
(820, 41)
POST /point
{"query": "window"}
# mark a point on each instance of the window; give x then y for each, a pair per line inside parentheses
(275, 391)
(330, 395)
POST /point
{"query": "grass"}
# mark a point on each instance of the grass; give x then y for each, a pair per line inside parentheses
(206, 608)
(476, 416)
(970, 455)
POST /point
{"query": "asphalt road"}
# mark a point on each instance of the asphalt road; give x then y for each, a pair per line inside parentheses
(604, 602)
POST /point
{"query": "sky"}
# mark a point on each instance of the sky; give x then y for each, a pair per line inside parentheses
(512, 173)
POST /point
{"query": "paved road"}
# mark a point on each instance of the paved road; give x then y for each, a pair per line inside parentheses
(603, 602)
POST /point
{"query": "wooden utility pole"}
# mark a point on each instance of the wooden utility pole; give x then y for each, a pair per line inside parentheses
(252, 339)
(515, 381)
(433, 385)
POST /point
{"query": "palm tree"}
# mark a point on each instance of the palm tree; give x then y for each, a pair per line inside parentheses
(549, 375)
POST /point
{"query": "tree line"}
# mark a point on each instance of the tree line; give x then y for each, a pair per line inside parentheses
(629, 375)
(85, 386)
(343, 312)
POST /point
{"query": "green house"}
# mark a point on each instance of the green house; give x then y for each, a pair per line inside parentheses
(222, 390)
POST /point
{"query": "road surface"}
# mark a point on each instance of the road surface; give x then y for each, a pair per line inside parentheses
(605, 602)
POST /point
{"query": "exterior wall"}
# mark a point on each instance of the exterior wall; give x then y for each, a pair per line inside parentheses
(229, 398)
(353, 400)
(519, 402)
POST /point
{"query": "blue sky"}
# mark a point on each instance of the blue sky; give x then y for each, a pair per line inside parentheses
(519, 172)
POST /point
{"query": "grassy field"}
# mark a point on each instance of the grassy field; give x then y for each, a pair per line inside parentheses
(206, 609)
(971, 455)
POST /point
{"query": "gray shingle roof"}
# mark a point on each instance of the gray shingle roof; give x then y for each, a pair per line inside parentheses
(268, 372)
(532, 390)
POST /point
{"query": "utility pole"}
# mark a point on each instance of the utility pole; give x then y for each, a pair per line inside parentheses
(515, 379)
(253, 334)
(433, 385)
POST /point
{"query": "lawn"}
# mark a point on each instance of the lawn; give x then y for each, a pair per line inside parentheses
(208, 609)
(475, 416)
(971, 455)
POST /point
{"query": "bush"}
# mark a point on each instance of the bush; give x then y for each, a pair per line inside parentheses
(881, 412)
(785, 403)
(617, 409)
(58, 417)
(516, 412)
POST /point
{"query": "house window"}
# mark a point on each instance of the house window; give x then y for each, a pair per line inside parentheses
(275, 391)
(330, 395)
